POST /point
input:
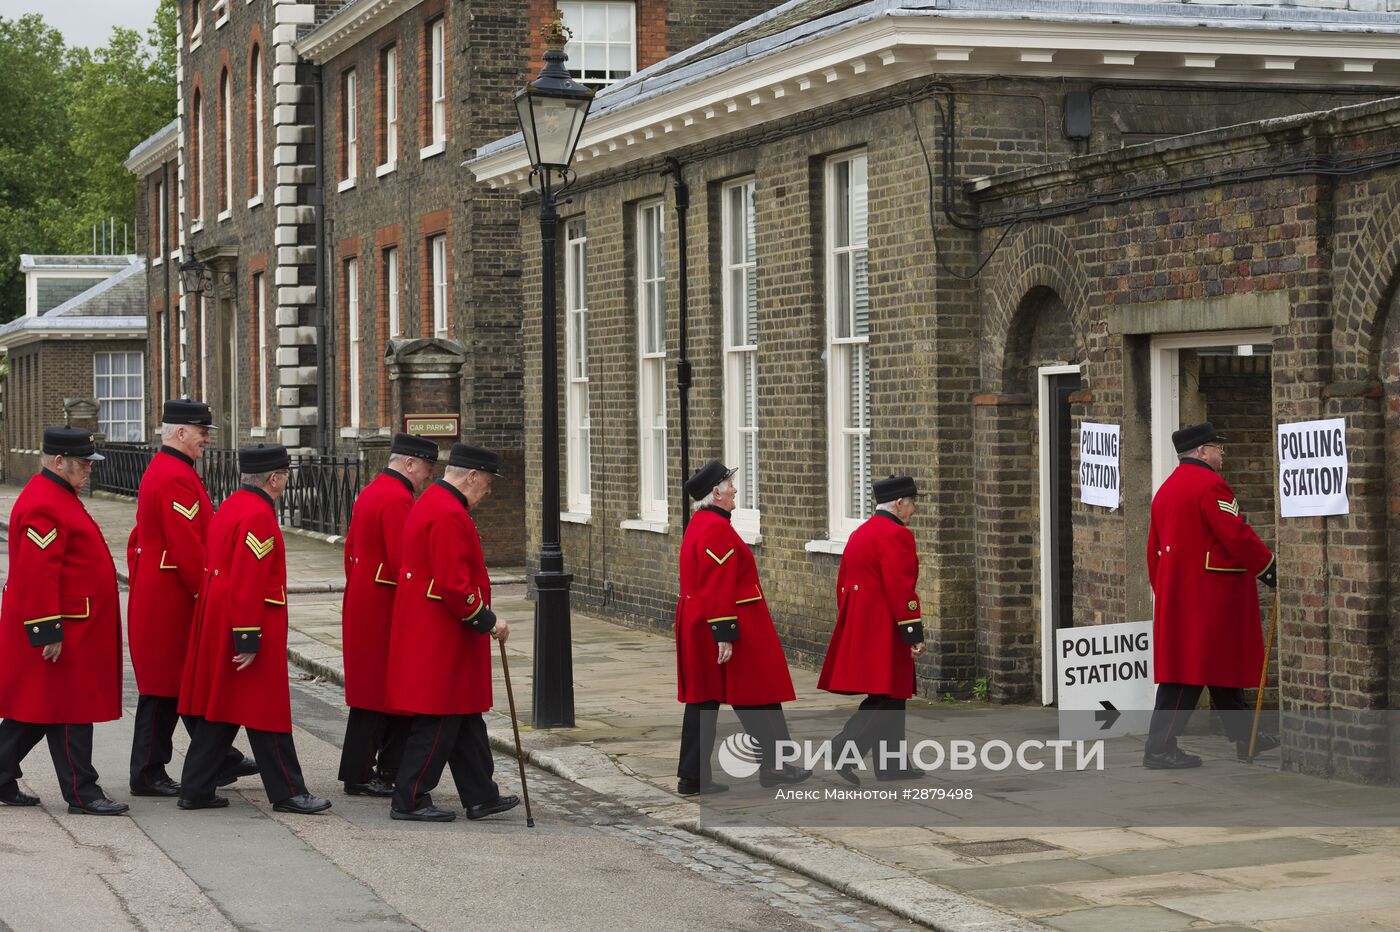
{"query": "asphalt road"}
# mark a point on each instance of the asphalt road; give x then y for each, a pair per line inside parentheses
(588, 864)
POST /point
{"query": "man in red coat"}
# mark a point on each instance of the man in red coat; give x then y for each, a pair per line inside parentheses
(440, 646)
(374, 735)
(236, 669)
(165, 561)
(727, 649)
(1203, 559)
(879, 632)
(60, 630)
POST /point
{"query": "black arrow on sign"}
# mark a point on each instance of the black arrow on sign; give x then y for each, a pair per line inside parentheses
(1108, 716)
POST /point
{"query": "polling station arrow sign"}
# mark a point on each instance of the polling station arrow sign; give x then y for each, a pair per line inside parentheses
(1103, 679)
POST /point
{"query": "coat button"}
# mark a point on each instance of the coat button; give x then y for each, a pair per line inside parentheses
(1159, 553)
(1169, 549)
(216, 572)
(732, 626)
(855, 588)
(407, 575)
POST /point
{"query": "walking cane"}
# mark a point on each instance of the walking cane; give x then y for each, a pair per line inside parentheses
(519, 754)
(1263, 678)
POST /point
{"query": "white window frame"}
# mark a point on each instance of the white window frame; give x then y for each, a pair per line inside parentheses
(220, 12)
(848, 481)
(226, 92)
(437, 70)
(390, 77)
(391, 281)
(739, 284)
(161, 207)
(197, 28)
(651, 359)
(259, 166)
(578, 19)
(352, 335)
(437, 247)
(260, 296)
(349, 102)
(199, 149)
(578, 422)
(203, 345)
(138, 424)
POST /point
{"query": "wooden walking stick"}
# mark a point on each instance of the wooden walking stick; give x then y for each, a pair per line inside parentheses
(1263, 678)
(520, 754)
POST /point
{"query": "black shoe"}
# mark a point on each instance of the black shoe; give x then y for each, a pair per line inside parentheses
(849, 774)
(100, 806)
(212, 801)
(1173, 759)
(900, 773)
(424, 813)
(688, 787)
(303, 804)
(1262, 742)
(14, 796)
(782, 776)
(160, 786)
(375, 787)
(246, 767)
(499, 804)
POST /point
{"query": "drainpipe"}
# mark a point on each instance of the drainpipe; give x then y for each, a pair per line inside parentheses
(325, 398)
(683, 370)
(163, 223)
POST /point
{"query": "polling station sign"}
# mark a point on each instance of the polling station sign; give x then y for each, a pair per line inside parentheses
(1100, 479)
(1103, 679)
(1312, 462)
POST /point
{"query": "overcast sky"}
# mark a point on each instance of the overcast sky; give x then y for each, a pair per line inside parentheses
(86, 22)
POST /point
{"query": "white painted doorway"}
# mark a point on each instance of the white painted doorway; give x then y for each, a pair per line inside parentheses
(1053, 432)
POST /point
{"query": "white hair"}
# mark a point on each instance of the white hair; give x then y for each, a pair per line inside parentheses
(258, 479)
(453, 473)
(889, 506)
(168, 431)
(725, 486)
(399, 459)
(49, 461)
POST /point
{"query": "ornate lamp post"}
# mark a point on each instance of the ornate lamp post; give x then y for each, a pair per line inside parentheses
(552, 109)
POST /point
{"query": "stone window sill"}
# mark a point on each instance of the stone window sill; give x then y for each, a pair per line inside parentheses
(837, 547)
(156, 261)
(388, 168)
(197, 226)
(345, 185)
(651, 527)
(576, 517)
(255, 201)
(257, 432)
(437, 148)
(225, 216)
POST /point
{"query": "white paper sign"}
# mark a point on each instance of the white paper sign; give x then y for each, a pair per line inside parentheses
(1100, 480)
(1103, 678)
(1312, 462)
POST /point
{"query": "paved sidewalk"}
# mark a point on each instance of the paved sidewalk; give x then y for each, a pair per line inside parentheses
(1325, 876)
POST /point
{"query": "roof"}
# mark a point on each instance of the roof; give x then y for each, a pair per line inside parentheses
(154, 149)
(348, 24)
(29, 263)
(806, 53)
(115, 306)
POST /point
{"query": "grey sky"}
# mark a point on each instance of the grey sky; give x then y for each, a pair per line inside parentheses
(86, 22)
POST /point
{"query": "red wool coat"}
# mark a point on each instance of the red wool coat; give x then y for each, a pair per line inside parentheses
(1203, 560)
(878, 615)
(372, 554)
(438, 663)
(165, 563)
(721, 600)
(62, 587)
(242, 609)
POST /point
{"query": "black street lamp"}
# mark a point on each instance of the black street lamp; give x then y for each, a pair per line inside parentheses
(196, 277)
(552, 109)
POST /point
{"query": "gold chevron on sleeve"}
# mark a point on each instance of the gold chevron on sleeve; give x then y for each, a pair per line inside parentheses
(260, 548)
(1231, 507)
(41, 541)
(717, 559)
(187, 513)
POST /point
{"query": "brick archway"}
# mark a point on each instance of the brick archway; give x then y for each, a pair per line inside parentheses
(1365, 286)
(1036, 257)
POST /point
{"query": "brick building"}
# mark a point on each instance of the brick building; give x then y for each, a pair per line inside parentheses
(357, 275)
(76, 356)
(936, 240)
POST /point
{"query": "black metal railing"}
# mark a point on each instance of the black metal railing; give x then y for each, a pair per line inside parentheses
(319, 496)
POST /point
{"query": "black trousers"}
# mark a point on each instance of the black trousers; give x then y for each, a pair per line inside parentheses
(374, 744)
(152, 744)
(766, 723)
(438, 741)
(70, 746)
(1176, 702)
(275, 752)
(878, 718)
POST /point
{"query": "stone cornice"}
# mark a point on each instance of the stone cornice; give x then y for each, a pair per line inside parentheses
(879, 52)
(349, 25)
(154, 150)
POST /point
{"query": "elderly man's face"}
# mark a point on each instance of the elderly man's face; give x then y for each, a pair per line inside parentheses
(74, 470)
(904, 508)
(726, 494)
